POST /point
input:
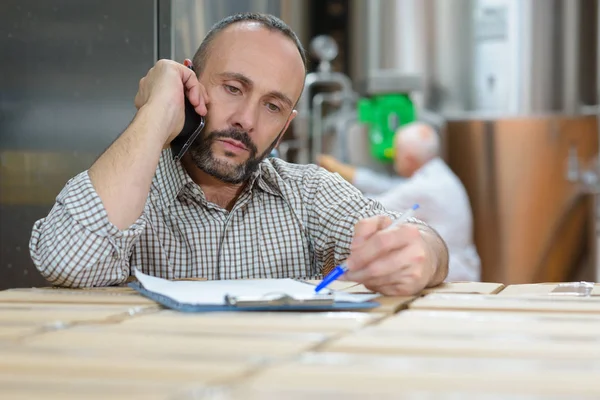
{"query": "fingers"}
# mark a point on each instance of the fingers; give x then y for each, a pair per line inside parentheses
(379, 272)
(389, 261)
(365, 228)
(196, 92)
(389, 267)
(396, 277)
(407, 272)
(204, 94)
(160, 83)
(140, 99)
(374, 242)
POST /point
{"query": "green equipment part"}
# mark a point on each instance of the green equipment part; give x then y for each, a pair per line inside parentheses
(384, 114)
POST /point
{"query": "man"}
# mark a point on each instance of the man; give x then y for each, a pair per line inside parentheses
(226, 211)
(428, 181)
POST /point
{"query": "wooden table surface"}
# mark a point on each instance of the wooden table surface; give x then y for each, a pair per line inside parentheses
(459, 340)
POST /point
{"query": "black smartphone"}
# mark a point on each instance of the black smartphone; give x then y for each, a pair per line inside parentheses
(192, 126)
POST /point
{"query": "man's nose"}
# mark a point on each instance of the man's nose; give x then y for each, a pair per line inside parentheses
(245, 117)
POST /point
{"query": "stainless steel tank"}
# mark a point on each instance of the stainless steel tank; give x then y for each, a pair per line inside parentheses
(191, 19)
(517, 84)
(68, 77)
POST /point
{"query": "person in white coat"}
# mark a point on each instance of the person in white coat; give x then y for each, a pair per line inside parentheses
(424, 179)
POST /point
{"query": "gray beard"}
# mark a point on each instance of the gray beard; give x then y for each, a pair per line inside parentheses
(203, 156)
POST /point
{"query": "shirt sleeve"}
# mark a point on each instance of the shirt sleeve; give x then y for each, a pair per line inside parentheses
(334, 208)
(401, 197)
(373, 183)
(76, 245)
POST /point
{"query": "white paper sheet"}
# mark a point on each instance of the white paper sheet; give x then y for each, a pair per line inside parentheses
(214, 292)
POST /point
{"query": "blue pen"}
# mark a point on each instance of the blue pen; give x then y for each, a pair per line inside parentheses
(342, 269)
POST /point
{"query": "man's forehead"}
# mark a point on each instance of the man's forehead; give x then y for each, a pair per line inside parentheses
(250, 43)
(241, 30)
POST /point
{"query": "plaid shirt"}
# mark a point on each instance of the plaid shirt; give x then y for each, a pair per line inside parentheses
(290, 221)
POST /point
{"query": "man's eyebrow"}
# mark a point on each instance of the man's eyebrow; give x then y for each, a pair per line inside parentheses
(247, 82)
(283, 98)
(236, 76)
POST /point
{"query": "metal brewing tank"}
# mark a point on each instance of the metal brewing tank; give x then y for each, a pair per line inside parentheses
(62, 102)
(517, 83)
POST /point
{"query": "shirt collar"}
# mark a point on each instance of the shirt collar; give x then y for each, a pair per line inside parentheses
(171, 178)
(267, 179)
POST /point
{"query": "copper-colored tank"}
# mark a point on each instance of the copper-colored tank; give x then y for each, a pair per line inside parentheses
(531, 223)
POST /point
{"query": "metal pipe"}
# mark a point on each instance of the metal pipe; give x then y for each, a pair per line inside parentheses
(317, 118)
(342, 128)
(302, 129)
(358, 32)
(295, 13)
(374, 36)
(571, 58)
(317, 122)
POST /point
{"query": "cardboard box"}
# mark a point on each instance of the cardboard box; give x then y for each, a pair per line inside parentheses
(471, 344)
(14, 386)
(360, 376)
(249, 323)
(116, 308)
(565, 326)
(12, 333)
(442, 301)
(551, 289)
(75, 296)
(99, 339)
(466, 288)
(116, 367)
(18, 320)
(391, 304)
(370, 390)
(43, 317)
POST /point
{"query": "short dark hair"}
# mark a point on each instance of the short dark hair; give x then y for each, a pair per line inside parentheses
(268, 21)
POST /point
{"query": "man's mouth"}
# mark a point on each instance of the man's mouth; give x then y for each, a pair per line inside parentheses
(234, 143)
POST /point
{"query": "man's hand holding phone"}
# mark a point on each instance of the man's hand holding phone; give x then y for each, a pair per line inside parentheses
(162, 90)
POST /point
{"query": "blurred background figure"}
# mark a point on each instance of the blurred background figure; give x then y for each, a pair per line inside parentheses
(429, 182)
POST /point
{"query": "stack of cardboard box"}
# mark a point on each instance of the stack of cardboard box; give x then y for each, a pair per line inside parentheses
(460, 340)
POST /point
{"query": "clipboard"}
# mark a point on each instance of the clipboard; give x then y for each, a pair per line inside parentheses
(273, 302)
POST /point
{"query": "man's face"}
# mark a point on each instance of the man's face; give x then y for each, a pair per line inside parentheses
(253, 77)
(400, 163)
(404, 162)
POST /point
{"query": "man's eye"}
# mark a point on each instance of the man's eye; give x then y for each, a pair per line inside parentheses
(232, 89)
(272, 107)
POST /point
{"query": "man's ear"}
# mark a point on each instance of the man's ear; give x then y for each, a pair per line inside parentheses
(293, 115)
